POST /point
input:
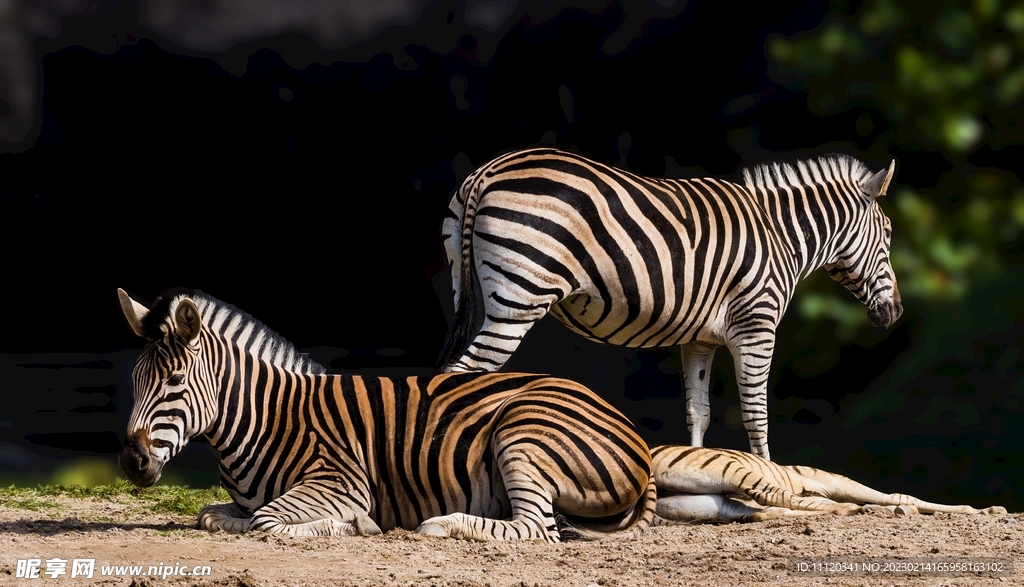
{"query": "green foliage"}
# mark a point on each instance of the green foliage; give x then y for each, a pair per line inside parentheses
(946, 78)
(188, 502)
(935, 70)
(85, 472)
(160, 499)
(19, 500)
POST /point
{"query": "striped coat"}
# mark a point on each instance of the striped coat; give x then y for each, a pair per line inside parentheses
(643, 263)
(303, 452)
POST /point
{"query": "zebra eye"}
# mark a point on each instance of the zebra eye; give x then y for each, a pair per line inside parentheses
(176, 379)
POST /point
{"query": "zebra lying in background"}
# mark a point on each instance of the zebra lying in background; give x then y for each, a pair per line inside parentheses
(305, 453)
(643, 263)
(706, 484)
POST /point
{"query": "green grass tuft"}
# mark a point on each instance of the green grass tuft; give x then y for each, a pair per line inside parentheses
(181, 500)
(26, 503)
(162, 498)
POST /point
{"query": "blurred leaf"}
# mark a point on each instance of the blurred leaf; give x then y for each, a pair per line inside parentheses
(87, 472)
(961, 413)
(942, 77)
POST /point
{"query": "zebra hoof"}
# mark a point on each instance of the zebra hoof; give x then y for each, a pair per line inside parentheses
(905, 510)
(431, 529)
(366, 527)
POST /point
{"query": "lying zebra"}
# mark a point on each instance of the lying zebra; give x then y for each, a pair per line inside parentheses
(306, 453)
(705, 485)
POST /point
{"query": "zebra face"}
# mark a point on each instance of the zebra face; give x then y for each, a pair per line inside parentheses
(167, 380)
(862, 265)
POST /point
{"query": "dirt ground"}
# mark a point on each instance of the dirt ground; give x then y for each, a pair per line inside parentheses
(765, 553)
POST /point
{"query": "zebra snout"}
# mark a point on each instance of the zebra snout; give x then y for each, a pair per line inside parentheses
(897, 311)
(886, 313)
(140, 468)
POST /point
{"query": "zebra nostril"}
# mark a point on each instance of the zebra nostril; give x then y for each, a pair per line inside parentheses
(133, 456)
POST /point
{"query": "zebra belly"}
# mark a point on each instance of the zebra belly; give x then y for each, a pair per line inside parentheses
(576, 313)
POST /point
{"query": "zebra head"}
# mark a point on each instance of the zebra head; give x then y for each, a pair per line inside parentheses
(861, 262)
(175, 399)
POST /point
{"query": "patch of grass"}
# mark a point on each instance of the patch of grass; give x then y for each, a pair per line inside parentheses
(181, 500)
(26, 503)
(180, 533)
(118, 488)
(161, 499)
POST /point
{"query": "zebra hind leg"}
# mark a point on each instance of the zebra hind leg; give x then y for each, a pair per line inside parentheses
(493, 346)
(467, 527)
(696, 359)
(533, 515)
(841, 488)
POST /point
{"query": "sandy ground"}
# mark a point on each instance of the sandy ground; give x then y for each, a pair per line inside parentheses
(121, 533)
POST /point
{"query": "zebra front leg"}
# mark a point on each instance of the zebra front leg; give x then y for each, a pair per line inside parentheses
(315, 509)
(752, 357)
(696, 359)
(225, 517)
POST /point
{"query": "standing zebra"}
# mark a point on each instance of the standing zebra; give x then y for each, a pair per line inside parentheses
(305, 453)
(644, 263)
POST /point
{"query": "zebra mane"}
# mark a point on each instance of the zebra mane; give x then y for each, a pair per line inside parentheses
(226, 319)
(805, 172)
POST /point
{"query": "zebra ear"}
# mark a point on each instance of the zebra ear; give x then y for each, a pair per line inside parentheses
(186, 318)
(878, 184)
(134, 312)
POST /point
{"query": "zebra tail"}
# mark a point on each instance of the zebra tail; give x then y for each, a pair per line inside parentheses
(462, 328)
(643, 516)
(465, 311)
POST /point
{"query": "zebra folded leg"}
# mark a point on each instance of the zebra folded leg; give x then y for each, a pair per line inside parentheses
(533, 515)
(314, 509)
(222, 517)
(467, 527)
(605, 487)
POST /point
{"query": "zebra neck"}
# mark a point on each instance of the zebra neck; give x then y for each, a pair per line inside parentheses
(807, 227)
(257, 400)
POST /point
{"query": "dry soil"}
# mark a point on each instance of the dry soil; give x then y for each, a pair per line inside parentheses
(765, 553)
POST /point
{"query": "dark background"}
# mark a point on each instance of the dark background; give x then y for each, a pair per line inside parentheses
(302, 175)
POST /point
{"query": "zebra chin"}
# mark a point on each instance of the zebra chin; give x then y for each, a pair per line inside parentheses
(884, 314)
(138, 465)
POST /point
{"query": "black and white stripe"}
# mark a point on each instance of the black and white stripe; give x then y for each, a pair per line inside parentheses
(308, 453)
(641, 262)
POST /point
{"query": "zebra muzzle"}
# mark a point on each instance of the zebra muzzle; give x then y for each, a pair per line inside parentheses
(136, 462)
(884, 314)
